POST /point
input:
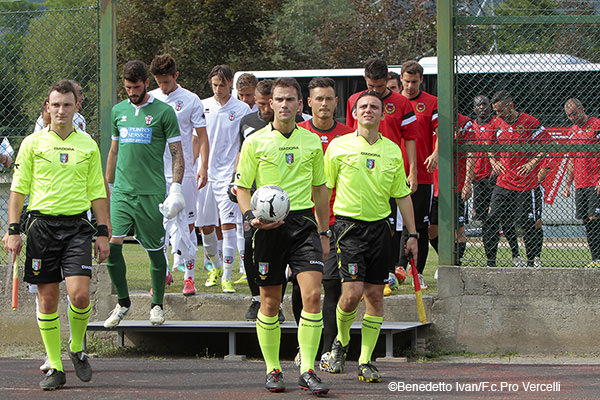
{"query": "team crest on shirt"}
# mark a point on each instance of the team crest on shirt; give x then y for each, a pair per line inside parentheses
(64, 158)
(263, 269)
(370, 163)
(81, 125)
(232, 116)
(353, 269)
(178, 105)
(149, 119)
(390, 108)
(289, 158)
(36, 265)
(420, 107)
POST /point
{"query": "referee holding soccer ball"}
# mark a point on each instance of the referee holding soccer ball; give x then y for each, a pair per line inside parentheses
(285, 155)
(59, 168)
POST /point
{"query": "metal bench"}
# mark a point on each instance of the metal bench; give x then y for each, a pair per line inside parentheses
(233, 327)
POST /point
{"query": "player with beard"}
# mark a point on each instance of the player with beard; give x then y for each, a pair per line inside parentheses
(479, 180)
(142, 127)
(517, 195)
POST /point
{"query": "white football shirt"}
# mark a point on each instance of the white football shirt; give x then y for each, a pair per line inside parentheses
(190, 115)
(222, 127)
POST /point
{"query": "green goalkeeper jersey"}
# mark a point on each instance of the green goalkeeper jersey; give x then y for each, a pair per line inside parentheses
(143, 133)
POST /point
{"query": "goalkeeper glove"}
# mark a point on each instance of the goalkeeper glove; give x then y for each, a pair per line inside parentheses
(174, 202)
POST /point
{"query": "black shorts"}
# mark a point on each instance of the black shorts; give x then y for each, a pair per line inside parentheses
(482, 195)
(587, 203)
(522, 207)
(421, 200)
(433, 214)
(463, 210)
(331, 271)
(58, 247)
(532, 205)
(295, 243)
(364, 250)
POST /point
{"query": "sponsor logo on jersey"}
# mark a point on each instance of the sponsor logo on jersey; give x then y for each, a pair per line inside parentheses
(135, 134)
(149, 119)
(263, 269)
(324, 139)
(64, 158)
(178, 105)
(289, 158)
(390, 108)
(370, 163)
(420, 107)
(123, 118)
(36, 265)
(353, 269)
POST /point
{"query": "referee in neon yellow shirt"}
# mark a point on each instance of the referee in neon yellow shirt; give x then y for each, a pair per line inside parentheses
(366, 170)
(285, 155)
(59, 168)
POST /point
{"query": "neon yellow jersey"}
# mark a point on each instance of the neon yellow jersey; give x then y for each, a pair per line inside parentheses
(61, 177)
(295, 163)
(365, 176)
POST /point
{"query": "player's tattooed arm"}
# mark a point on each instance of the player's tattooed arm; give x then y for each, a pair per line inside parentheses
(178, 165)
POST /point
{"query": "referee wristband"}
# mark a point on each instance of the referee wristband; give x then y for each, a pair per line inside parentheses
(249, 216)
(14, 228)
(102, 230)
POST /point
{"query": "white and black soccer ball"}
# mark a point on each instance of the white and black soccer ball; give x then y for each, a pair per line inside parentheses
(270, 203)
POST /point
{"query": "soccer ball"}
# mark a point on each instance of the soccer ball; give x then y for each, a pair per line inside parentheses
(270, 203)
(400, 274)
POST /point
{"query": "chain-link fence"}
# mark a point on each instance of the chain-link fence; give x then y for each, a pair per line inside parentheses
(527, 74)
(38, 47)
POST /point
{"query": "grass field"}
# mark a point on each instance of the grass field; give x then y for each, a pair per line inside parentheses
(138, 273)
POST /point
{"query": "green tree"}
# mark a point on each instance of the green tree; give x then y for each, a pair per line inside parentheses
(392, 30)
(198, 34)
(15, 18)
(294, 33)
(60, 44)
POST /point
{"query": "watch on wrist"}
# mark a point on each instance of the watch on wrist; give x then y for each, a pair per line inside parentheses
(326, 233)
(413, 235)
